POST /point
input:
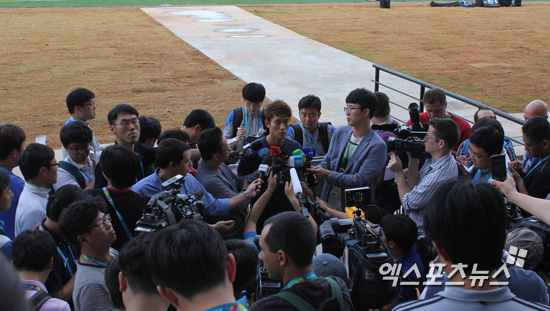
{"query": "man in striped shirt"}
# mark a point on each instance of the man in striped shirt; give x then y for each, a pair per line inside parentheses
(417, 190)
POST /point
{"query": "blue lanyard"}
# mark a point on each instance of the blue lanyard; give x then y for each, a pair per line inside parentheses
(309, 139)
(538, 163)
(385, 122)
(86, 175)
(251, 125)
(122, 222)
(94, 261)
(67, 263)
(304, 278)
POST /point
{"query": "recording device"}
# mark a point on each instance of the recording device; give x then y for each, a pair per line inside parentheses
(358, 197)
(251, 149)
(264, 285)
(542, 230)
(407, 141)
(498, 167)
(170, 206)
(263, 169)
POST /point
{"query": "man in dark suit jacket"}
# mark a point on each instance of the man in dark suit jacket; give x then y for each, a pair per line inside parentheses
(356, 155)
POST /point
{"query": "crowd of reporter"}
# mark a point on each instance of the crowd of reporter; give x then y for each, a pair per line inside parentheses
(80, 237)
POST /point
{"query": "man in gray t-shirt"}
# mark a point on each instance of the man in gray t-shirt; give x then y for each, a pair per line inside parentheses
(85, 223)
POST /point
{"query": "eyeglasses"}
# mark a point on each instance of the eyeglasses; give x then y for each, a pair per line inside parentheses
(431, 137)
(126, 123)
(90, 104)
(83, 148)
(101, 223)
(349, 109)
(475, 155)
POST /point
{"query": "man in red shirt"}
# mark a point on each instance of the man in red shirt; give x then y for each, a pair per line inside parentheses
(435, 104)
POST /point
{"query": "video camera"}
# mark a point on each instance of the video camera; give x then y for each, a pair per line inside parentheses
(364, 253)
(407, 141)
(170, 206)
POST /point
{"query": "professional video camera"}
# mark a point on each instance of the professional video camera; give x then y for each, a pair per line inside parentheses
(264, 285)
(364, 251)
(407, 141)
(170, 206)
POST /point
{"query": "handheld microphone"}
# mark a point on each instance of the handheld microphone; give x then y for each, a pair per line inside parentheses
(274, 151)
(295, 161)
(309, 153)
(283, 157)
(263, 152)
(299, 152)
(251, 149)
(295, 182)
(263, 169)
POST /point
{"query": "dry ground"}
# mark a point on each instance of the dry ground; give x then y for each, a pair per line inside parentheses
(497, 56)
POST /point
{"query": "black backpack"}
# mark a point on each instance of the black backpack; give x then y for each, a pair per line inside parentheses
(38, 299)
(333, 303)
(238, 118)
(73, 171)
(323, 134)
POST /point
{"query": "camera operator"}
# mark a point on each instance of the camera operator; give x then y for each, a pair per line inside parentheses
(288, 244)
(173, 158)
(416, 192)
(356, 155)
(467, 224)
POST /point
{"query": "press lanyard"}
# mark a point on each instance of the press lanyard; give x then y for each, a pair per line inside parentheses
(309, 140)
(33, 287)
(87, 177)
(385, 122)
(94, 261)
(122, 222)
(304, 278)
(246, 122)
(67, 264)
(538, 163)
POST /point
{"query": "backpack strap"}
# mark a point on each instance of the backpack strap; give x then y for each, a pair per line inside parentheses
(73, 171)
(336, 292)
(237, 119)
(323, 134)
(38, 299)
(298, 133)
(295, 300)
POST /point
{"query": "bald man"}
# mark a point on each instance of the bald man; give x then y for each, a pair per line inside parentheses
(536, 108)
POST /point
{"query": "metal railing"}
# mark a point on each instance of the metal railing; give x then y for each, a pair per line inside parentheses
(423, 85)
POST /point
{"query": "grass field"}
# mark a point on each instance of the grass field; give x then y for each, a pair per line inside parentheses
(496, 56)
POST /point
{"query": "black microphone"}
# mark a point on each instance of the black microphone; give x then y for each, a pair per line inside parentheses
(198, 194)
(384, 127)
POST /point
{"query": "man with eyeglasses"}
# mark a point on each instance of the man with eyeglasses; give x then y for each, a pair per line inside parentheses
(124, 124)
(85, 223)
(484, 143)
(39, 167)
(356, 155)
(82, 107)
(417, 189)
(77, 168)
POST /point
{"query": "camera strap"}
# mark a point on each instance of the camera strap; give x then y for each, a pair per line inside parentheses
(122, 222)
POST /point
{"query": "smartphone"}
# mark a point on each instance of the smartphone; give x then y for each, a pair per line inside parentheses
(498, 167)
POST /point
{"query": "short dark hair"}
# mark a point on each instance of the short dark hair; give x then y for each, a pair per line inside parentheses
(446, 129)
(246, 258)
(11, 138)
(292, 233)
(537, 129)
(78, 217)
(133, 264)
(149, 128)
(254, 92)
(75, 132)
(34, 157)
(490, 122)
(170, 150)
(277, 108)
(62, 198)
(210, 142)
(119, 109)
(200, 117)
(476, 114)
(175, 133)
(488, 139)
(383, 105)
(400, 229)
(468, 220)
(120, 165)
(5, 181)
(365, 98)
(78, 97)
(112, 283)
(32, 250)
(435, 96)
(201, 267)
(310, 101)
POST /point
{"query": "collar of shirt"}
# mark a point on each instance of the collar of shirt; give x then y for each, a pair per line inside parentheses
(468, 295)
(37, 190)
